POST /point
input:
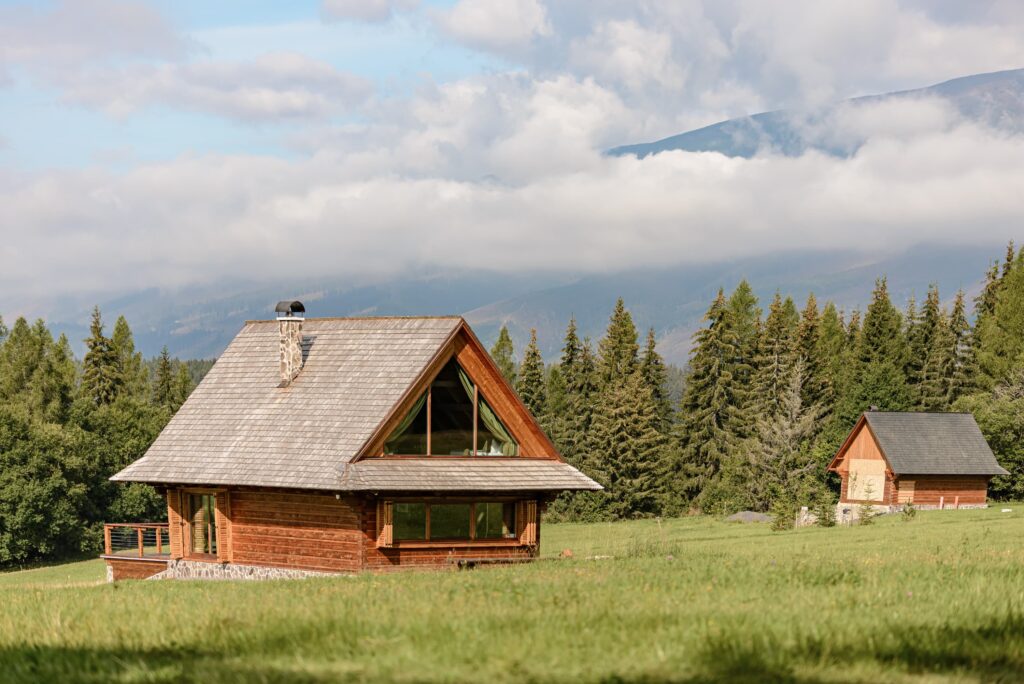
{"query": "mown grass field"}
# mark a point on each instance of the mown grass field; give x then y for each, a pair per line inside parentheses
(937, 599)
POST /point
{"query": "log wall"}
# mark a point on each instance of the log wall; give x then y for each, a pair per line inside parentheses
(307, 531)
(950, 490)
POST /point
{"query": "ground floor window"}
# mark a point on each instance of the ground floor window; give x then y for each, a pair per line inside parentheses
(203, 523)
(456, 521)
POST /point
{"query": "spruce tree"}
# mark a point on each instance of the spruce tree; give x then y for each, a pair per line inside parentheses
(20, 356)
(780, 463)
(917, 348)
(805, 345)
(101, 377)
(776, 357)
(163, 383)
(130, 363)
(530, 384)
(52, 386)
(619, 348)
(632, 449)
(182, 386)
(935, 388)
(653, 372)
(1001, 332)
(504, 355)
(961, 337)
(745, 317)
(829, 359)
(578, 374)
(879, 378)
(709, 425)
(554, 420)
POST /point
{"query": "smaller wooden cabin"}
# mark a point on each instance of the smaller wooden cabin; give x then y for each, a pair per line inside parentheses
(932, 460)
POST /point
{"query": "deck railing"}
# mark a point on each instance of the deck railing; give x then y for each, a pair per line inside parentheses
(138, 540)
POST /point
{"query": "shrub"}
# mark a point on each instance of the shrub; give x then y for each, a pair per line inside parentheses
(909, 511)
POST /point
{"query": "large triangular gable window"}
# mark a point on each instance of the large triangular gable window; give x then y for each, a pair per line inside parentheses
(451, 419)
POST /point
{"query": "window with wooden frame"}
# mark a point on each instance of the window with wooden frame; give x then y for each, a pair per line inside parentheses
(411, 523)
(451, 418)
(201, 512)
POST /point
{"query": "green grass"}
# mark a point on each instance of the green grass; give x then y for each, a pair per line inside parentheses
(694, 600)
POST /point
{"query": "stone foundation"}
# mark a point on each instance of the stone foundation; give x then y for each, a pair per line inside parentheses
(849, 513)
(186, 569)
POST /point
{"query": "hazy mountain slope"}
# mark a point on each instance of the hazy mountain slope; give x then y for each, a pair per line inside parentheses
(200, 321)
(996, 99)
(673, 301)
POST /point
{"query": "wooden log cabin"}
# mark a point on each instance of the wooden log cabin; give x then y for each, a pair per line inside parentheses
(339, 445)
(930, 460)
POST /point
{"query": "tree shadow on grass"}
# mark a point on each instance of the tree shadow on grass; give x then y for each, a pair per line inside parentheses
(994, 652)
(57, 664)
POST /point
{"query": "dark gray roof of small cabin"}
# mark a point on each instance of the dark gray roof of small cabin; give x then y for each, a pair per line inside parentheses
(933, 443)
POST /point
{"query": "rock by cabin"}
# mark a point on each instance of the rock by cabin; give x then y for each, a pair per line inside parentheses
(339, 445)
(931, 460)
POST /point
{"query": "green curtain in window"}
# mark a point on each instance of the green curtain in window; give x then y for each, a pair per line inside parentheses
(491, 421)
(402, 427)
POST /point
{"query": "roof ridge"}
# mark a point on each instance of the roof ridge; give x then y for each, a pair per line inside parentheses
(446, 317)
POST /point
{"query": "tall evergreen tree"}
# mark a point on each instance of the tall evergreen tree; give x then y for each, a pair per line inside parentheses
(530, 384)
(961, 337)
(829, 352)
(780, 462)
(20, 357)
(934, 391)
(101, 377)
(709, 425)
(619, 348)
(627, 435)
(163, 383)
(776, 358)
(578, 373)
(808, 337)
(504, 355)
(52, 387)
(880, 378)
(745, 317)
(655, 375)
(135, 382)
(1001, 333)
(182, 386)
(924, 353)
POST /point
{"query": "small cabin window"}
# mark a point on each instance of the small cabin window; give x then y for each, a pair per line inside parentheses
(451, 418)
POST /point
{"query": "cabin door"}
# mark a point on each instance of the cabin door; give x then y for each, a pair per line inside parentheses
(202, 524)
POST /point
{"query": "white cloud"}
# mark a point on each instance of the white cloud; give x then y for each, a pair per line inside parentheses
(364, 10)
(71, 32)
(497, 25)
(274, 86)
(192, 219)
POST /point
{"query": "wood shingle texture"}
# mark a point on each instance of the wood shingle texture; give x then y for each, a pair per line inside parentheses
(933, 443)
(241, 427)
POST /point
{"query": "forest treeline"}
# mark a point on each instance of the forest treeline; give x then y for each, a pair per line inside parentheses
(769, 398)
(67, 425)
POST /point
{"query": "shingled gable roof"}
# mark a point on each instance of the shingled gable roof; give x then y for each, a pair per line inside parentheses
(240, 428)
(928, 443)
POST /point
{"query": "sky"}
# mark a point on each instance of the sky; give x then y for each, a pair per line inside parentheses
(177, 142)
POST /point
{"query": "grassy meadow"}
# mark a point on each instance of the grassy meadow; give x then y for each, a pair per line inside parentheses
(940, 598)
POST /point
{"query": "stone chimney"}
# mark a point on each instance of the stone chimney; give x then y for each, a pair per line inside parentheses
(289, 324)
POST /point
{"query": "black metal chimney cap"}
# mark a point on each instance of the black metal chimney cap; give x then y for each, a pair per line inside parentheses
(289, 307)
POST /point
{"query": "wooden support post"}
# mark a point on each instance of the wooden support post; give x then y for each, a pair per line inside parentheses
(106, 540)
(942, 503)
(141, 543)
(159, 541)
(956, 503)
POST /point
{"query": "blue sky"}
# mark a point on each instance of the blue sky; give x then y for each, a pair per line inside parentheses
(169, 143)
